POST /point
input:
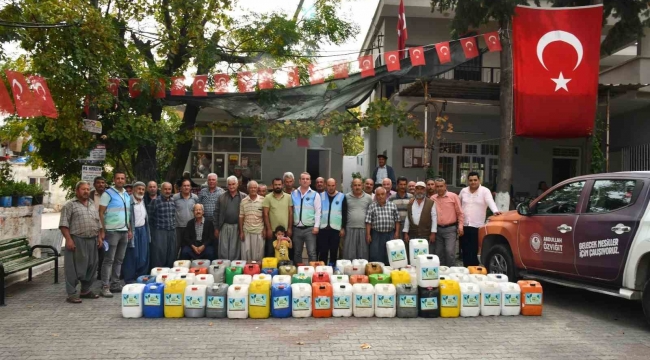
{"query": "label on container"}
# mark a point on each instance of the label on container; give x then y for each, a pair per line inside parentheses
(237, 304)
(194, 302)
(342, 302)
(470, 300)
(322, 303)
(429, 273)
(408, 301)
(449, 301)
(511, 300)
(533, 299)
(215, 302)
(257, 300)
(492, 299)
(129, 300)
(397, 255)
(301, 303)
(173, 300)
(363, 301)
(429, 303)
(420, 251)
(386, 301)
(151, 299)
(281, 302)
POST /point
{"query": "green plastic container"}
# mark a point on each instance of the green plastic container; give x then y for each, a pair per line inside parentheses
(379, 279)
(300, 279)
(231, 271)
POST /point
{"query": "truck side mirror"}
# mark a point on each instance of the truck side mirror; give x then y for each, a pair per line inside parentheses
(523, 209)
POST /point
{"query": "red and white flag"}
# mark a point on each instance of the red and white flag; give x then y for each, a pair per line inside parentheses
(178, 86)
(265, 79)
(469, 47)
(198, 86)
(158, 89)
(402, 35)
(221, 82)
(43, 97)
(392, 60)
(417, 56)
(340, 70)
(293, 77)
(316, 75)
(492, 40)
(135, 88)
(303, 142)
(555, 66)
(444, 54)
(26, 105)
(113, 86)
(245, 82)
(6, 106)
(367, 66)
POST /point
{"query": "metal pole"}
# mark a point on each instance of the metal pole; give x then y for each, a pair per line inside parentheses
(425, 157)
(607, 136)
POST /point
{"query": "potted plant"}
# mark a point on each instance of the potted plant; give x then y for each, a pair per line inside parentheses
(6, 191)
(20, 197)
(37, 192)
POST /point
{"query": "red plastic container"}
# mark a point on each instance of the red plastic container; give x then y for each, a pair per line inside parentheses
(320, 276)
(198, 271)
(359, 279)
(252, 269)
(322, 299)
(316, 263)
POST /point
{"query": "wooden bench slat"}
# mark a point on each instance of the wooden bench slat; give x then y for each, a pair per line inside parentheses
(13, 245)
(8, 241)
(18, 255)
(4, 255)
(24, 265)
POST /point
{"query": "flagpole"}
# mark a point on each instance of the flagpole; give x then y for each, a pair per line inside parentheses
(607, 136)
(425, 158)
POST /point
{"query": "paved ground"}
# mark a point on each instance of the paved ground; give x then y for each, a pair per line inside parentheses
(38, 324)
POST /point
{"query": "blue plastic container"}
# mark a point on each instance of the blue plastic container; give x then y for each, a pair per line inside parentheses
(281, 300)
(154, 306)
(5, 201)
(146, 279)
(270, 271)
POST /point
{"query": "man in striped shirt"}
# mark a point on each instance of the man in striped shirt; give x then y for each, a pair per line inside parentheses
(251, 224)
(401, 200)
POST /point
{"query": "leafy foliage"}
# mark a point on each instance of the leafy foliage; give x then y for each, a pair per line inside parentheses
(597, 157)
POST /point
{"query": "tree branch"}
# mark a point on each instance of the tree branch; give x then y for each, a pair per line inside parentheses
(167, 19)
(145, 50)
(295, 15)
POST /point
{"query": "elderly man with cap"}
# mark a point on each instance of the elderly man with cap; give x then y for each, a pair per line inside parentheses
(421, 218)
(198, 239)
(136, 259)
(383, 171)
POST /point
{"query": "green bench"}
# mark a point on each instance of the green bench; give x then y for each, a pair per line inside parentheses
(16, 255)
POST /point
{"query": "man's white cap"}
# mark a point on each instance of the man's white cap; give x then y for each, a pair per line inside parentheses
(420, 183)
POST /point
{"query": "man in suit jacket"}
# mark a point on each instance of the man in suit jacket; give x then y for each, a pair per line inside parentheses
(383, 171)
(198, 237)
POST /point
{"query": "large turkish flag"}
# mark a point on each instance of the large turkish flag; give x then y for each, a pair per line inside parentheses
(556, 53)
(26, 105)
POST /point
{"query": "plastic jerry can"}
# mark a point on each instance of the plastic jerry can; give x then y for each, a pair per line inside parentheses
(153, 300)
(183, 263)
(238, 301)
(360, 263)
(413, 272)
(159, 270)
(132, 300)
(307, 270)
(364, 300)
(444, 277)
(374, 268)
(179, 270)
(342, 300)
(270, 262)
(231, 272)
(174, 292)
(388, 270)
(281, 279)
(320, 276)
(428, 272)
(449, 299)
(216, 300)
(429, 302)
(285, 263)
(531, 297)
(477, 270)
(417, 247)
(461, 278)
(354, 270)
(341, 264)
(221, 262)
(326, 269)
(195, 301)
(146, 279)
(458, 270)
(444, 270)
(322, 299)
(300, 278)
(498, 278)
(165, 278)
(281, 300)
(204, 279)
(189, 278)
(270, 271)
(200, 263)
(478, 278)
(359, 279)
(218, 272)
(340, 279)
(301, 300)
(259, 299)
(238, 263)
(379, 279)
(470, 294)
(314, 264)
(490, 298)
(396, 251)
(287, 270)
(400, 277)
(510, 299)
(198, 271)
(252, 269)
(407, 301)
(263, 277)
(242, 279)
(385, 300)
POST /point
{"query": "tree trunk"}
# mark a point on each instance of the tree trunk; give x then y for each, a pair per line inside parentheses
(145, 167)
(506, 144)
(182, 148)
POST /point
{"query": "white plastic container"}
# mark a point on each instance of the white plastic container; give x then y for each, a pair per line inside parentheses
(281, 279)
(461, 278)
(238, 301)
(195, 301)
(342, 304)
(183, 263)
(363, 304)
(341, 264)
(301, 300)
(470, 304)
(354, 270)
(189, 278)
(204, 279)
(385, 305)
(339, 279)
(179, 270)
(417, 247)
(238, 263)
(490, 298)
(132, 300)
(307, 270)
(396, 250)
(413, 272)
(510, 299)
(327, 269)
(221, 262)
(478, 278)
(444, 270)
(242, 279)
(264, 277)
(498, 278)
(427, 275)
(360, 263)
(387, 269)
(200, 263)
(159, 270)
(458, 270)
(164, 278)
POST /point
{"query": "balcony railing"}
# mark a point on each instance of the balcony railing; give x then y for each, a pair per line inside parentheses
(471, 73)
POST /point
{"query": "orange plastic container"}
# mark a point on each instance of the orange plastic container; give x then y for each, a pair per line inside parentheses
(198, 271)
(322, 300)
(359, 279)
(374, 268)
(477, 270)
(252, 269)
(320, 276)
(316, 263)
(531, 297)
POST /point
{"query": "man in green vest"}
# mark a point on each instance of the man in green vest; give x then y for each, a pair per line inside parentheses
(334, 213)
(421, 218)
(306, 219)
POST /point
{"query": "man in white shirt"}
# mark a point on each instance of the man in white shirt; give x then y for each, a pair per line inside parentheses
(136, 259)
(306, 219)
(421, 218)
(474, 199)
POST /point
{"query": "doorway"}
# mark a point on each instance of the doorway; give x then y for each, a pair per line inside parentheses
(564, 169)
(318, 163)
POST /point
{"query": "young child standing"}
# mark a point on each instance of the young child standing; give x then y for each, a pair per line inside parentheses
(282, 244)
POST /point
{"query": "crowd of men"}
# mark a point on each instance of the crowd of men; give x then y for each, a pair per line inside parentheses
(116, 233)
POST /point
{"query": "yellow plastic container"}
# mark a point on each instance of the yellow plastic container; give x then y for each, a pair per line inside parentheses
(259, 299)
(449, 298)
(269, 262)
(477, 270)
(400, 277)
(174, 302)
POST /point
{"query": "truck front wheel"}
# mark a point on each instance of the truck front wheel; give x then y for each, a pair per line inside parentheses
(499, 260)
(645, 300)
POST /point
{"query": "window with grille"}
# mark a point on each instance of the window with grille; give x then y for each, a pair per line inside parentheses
(219, 151)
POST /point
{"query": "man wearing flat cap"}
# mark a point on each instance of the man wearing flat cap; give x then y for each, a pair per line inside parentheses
(421, 218)
(383, 171)
(136, 259)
